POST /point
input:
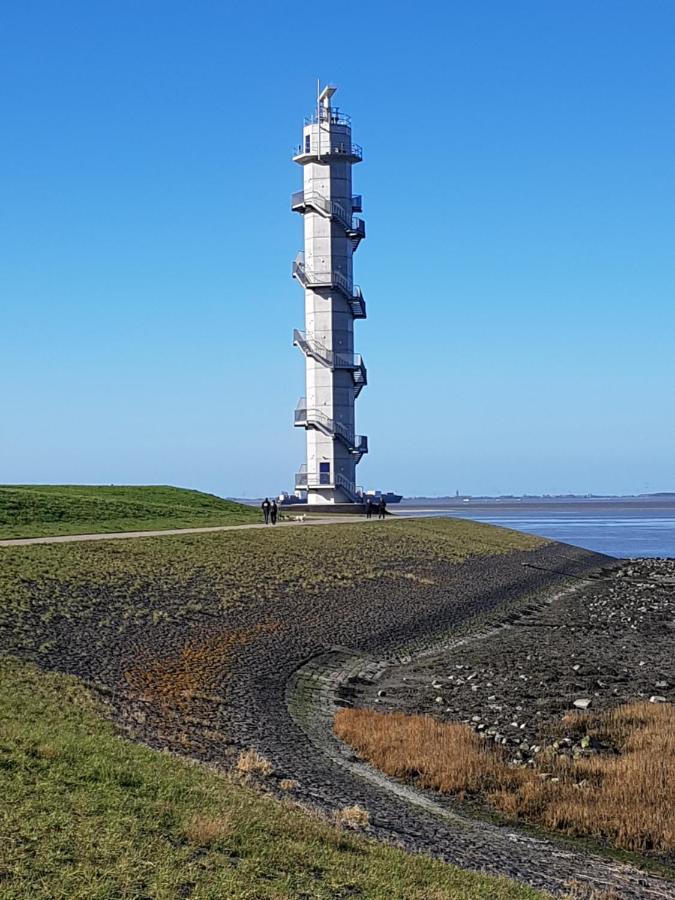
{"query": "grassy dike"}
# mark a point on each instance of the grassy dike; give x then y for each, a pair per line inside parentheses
(40, 510)
(86, 814)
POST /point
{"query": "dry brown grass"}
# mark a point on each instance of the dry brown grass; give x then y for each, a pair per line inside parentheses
(352, 817)
(289, 784)
(251, 762)
(443, 756)
(205, 830)
(624, 795)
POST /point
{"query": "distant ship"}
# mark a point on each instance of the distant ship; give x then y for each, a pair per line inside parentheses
(387, 496)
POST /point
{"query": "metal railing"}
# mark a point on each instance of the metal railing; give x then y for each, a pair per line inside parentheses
(331, 115)
(357, 303)
(348, 487)
(326, 207)
(331, 358)
(305, 480)
(315, 418)
(357, 229)
(308, 278)
(354, 151)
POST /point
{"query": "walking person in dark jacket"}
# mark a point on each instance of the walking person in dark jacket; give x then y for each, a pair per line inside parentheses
(369, 509)
(381, 509)
(266, 507)
(274, 510)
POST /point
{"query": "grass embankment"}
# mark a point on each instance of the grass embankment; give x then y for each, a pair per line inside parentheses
(41, 510)
(623, 794)
(88, 815)
(120, 584)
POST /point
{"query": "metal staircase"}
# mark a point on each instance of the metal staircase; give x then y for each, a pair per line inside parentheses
(333, 360)
(356, 303)
(355, 227)
(357, 444)
(305, 480)
(310, 279)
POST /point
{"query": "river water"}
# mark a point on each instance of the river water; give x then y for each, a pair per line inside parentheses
(622, 527)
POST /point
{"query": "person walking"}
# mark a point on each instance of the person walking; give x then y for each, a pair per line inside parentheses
(381, 509)
(274, 511)
(266, 507)
(369, 509)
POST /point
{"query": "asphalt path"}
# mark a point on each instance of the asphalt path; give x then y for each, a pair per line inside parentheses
(116, 535)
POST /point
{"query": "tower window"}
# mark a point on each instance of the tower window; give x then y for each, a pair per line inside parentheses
(307, 143)
(324, 473)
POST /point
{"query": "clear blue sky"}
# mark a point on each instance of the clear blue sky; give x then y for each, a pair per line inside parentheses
(519, 270)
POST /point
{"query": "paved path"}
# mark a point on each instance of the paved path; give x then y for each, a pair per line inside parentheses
(114, 535)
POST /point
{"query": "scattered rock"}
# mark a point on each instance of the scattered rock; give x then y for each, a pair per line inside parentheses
(582, 702)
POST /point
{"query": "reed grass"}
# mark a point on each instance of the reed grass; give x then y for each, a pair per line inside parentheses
(623, 793)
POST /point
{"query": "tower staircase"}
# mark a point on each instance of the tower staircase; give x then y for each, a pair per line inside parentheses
(333, 360)
(305, 417)
(301, 201)
(305, 480)
(330, 280)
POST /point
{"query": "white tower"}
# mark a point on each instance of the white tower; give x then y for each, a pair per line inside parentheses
(335, 375)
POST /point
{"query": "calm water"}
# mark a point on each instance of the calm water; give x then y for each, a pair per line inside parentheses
(620, 528)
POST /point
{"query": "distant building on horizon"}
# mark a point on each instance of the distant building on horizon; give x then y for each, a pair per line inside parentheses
(335, 375)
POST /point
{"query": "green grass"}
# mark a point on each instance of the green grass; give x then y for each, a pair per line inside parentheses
(117, 584)
(88, 815)
(39, 510)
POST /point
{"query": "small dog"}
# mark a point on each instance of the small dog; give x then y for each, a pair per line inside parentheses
(300, 518)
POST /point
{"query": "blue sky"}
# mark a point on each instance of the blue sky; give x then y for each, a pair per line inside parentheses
(519, 195)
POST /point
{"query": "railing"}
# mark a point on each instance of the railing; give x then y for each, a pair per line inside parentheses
(300, 199)
(310, 279)
(305, 480)
(347, 486)
(315, 418)
(357, 303)
(301, 478)
(357, 228)
(352, 291)
(331, 115)
(355, 151)
(360, 375)
(360, 444)
(332, 358)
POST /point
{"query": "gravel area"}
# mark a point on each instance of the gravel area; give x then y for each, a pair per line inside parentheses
(589, 649)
